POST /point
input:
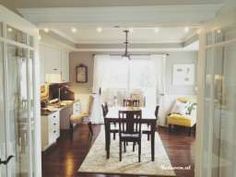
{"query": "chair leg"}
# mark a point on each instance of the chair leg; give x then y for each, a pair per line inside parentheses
(124, 146)
(139, 151)
(148, 136)
(134, 146)
(169, 127)
(114, 136)
(120, 152)
(90, 128)
(189, 131)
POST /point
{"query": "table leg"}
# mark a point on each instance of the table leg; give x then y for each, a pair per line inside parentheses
(107, 138)
(153, 127)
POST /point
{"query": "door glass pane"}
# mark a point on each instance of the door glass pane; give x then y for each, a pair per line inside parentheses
(18, 110)
(1, 31)
(220, 103)
(16, 35)
(31, 105)
(228, 123)
(2, 117)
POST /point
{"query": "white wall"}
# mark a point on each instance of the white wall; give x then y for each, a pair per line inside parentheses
(179, 58)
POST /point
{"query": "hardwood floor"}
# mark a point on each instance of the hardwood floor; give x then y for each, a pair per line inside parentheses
(64, 158)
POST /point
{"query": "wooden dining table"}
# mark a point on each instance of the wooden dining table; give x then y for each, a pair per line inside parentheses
(148, 117)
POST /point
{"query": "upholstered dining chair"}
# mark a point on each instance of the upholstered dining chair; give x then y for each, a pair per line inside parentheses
(130, 130)
(148, 131)
(84, 116)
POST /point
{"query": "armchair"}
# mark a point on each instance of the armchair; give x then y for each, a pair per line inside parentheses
(187, 119)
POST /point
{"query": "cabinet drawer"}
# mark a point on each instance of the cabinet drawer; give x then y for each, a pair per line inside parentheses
(54, 115)
(54, 134)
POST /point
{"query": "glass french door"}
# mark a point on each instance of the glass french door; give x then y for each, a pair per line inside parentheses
(17, 108)
(220, 104)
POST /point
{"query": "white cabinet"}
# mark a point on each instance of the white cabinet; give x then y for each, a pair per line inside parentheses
(52, 60)
(54, 64)
(50, 129)
(65, 66)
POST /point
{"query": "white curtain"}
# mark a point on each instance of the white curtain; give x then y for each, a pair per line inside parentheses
(118, 78)
(160, 68)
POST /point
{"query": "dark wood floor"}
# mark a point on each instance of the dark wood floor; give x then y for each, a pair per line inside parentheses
(64, 158)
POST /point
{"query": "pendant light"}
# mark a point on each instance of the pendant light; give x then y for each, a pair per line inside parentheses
(126, 43)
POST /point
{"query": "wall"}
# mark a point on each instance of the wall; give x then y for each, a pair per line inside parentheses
(86, 58)
(179, 58)
(77, 58)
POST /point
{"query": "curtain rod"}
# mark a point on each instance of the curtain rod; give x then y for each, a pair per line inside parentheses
(140, 54)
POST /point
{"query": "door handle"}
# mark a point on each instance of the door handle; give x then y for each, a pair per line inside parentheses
(5, 162)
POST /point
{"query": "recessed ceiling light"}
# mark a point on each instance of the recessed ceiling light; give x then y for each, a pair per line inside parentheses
(46, 30)
(39, 37)
(186, 29)
(131, 30)
(199, 31)
(99, 29)
(9, 29)
(73, 30)
(218, 31)
(156, 30)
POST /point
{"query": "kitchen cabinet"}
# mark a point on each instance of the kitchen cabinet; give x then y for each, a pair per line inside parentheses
(54, 64)
(65, 66)
(52, 60)
(50, 129)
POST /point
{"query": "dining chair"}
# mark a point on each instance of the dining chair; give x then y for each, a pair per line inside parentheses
(127, 102)
(136, 103)
(148, 131)
(113, 130)
(130, 130)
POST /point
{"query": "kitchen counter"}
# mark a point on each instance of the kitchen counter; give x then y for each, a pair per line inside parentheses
(51, 108)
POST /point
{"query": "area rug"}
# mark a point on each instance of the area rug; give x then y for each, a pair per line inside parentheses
(96, 162)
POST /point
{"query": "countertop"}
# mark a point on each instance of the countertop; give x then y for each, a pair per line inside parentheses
(52, 108)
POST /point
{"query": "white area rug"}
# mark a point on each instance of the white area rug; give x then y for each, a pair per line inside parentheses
(96, 162)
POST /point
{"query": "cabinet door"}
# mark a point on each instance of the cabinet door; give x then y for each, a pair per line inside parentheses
(65, 66)
(52, 61)
(42, 52)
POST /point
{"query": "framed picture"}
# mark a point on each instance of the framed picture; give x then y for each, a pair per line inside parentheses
(183, 74)
(82, 73)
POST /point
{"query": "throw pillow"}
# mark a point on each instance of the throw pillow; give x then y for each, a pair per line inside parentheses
(179, 108)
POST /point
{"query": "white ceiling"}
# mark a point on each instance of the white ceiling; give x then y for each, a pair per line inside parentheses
(100, 3)
(112, 35)
(170, 19)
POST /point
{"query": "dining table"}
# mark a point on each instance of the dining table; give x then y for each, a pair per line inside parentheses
(148, 117)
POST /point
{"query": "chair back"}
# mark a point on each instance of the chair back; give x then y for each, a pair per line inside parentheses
(104, 113)
(106, 107)
(127, 102)
(157, 111)
(136, 103)
(129, 122)
(131, 102)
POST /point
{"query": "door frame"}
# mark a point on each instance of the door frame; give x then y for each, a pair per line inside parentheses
(10, 18)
